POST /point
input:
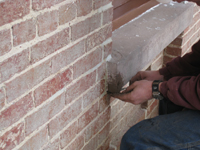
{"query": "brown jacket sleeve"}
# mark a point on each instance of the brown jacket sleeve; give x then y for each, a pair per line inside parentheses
(183, 79)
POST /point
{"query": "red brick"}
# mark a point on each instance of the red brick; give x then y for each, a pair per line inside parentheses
(53, 145)
(84, 7)
(87, 117)
(108, 16)
(14, 64)
(5, 41)
(79, 87)
(62, 59)
(13, 10)
(67, 13)
(50, 45)
(16, 111)
(178, 41)
(37, 141)
(65, 118)
(103, 134)
(101, 72)
(52, 86)
(2, 97)
(88, 62)
(105, 145)
(27, 80)
(12, 138)
(157, 62)
(153, 105)
(92, 94)
(100, 3)
(45, 113)
(68, 135)
(41, 4)
(77, 144)
(98, 37)
(92, 144)
(107, 50)
(104, 103)
(24, 32)
(167, 59)
(96, 126)
(86, 26)
(47, 22)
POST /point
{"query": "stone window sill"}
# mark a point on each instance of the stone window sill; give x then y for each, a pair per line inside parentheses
(138, 42)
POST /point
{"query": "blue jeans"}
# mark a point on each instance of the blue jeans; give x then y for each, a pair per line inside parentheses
(176, 131)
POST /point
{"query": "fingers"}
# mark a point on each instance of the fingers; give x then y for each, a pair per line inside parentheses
(122, 96)
(137, 77)
(130, 88)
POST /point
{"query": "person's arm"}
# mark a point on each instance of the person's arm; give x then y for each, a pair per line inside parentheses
(183, 91)
(188, 65)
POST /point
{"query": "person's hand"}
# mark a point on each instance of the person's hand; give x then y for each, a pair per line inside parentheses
(147, 75)
(136, 93)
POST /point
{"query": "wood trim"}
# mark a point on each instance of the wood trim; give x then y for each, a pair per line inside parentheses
(132, 13)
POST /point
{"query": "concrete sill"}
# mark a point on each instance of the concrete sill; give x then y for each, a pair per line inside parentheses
(139, 41)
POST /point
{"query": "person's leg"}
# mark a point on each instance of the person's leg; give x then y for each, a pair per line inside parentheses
(176, 131)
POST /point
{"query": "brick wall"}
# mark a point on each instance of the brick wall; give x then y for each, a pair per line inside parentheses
(53, 74)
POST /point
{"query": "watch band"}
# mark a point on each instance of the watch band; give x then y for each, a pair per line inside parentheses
(155, 90)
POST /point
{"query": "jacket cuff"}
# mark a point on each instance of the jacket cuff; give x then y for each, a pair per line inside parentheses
(165, 72)
(164, 89)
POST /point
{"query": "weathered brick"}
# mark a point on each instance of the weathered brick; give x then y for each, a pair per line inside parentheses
(86, 26)
(107, 16)
(87, 62)
(104, 103)
(178, 41)
(13, 10)
(100, 3)
(67, 13)
(107, 50)
(101, 72)
(173, 51)
(62, 59)
(95, 127)
(47, 22)
(27, 80)
(92, 144)
(41, 4)
(106, 145)
(41, 116)
(24, 32)
(103, 134)
(50, 45)
(83, 7)
(14, 64)
(2, 97)
(49, 88)
(37, 141)
(5, 41)
(65, 118)
(79, 87)
(157, 63)
(16, 111)
(98, 37)
(152, 106)
(92, 94)
(53, 145)
(87, 117)
(77, 144)
(68, 135)
(167, 59)
(12, 138)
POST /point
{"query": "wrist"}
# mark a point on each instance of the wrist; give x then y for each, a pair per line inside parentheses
(156, 90)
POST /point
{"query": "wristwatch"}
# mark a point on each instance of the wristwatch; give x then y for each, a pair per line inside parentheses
(155, 90)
